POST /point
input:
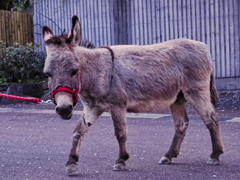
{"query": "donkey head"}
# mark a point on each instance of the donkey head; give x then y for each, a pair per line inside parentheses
(62, 67)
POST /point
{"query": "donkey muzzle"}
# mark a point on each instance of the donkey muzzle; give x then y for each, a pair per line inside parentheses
(65, 111)
(64, 104)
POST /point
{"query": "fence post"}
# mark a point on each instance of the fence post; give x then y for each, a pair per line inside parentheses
(16, 27)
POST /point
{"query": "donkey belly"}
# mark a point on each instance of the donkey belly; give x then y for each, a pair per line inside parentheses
(148, 105)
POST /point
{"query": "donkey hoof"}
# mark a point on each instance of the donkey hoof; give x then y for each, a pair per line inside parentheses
(119, 167)
(71, 168)
(165, 160)
(213, 162)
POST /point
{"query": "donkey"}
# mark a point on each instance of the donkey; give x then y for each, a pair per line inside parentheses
(131, 78)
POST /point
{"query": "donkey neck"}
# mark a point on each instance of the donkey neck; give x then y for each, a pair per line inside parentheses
(96, 71)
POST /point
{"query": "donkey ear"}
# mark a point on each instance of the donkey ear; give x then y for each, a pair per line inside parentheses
(75, 35)
(47, 33)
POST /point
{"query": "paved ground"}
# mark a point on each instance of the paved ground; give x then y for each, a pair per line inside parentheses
(35, 143)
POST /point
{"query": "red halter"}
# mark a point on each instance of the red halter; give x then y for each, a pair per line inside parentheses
(74, 92)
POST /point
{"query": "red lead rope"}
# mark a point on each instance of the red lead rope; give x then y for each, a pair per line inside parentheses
(74, 92)
(30, 99)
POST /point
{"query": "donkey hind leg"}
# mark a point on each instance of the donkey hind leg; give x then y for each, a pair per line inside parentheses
(181, 124)
(203, 106)
(88, 117)
(120, 126)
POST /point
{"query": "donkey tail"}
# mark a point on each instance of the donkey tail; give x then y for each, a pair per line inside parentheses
(213, 90)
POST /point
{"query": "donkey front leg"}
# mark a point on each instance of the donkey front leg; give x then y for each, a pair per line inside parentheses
(89, 116)
(181, 124)
(120, 125)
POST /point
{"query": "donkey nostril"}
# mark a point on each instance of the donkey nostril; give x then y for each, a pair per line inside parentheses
(65, 109)
(70, 108)
(58, 110)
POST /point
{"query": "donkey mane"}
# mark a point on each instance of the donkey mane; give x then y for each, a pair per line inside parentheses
(87, 44)
(63, 38)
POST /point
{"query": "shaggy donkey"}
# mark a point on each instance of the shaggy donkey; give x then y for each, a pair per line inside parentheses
(131, 78)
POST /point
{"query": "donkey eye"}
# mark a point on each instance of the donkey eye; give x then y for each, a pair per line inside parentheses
(48, 75)
(74, 72)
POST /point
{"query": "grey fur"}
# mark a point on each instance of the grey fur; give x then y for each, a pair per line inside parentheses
(139, 79)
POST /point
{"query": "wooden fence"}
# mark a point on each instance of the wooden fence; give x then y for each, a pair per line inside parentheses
(16, 27)
(110, 22)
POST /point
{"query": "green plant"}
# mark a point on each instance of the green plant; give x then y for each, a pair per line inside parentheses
(20, 5)
(21, 63)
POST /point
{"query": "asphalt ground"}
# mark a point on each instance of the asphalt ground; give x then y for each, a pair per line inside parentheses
(35, 144)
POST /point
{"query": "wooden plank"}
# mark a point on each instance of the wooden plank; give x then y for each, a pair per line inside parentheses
(158, 23)
(188, 18)
(7, 28)
(238, 26)
(121, 20)
(30, 26)
(227, 43)
(198, 21)
(10, 28)
(217, 42)
(184, 8)
(180, 21)
(193, 22)
(96, 24)
(124, 21)
(136, 22)
(202, 7)
(25, 40)
(162, 21)
(67, 19)
(231, 38)
(14, 37)
(111, 9)
(21, 29)
(92, 22)
(116, 22)
(166, 15)
(144, 20)
(236, 16)
(1, 26)
(222, 41)
(85, 20)
(175, 20)
(207, 27)
(149, 39)
(17, 24)
(153, 20)
(129, 23)
(18, 30)
(4, 27)
(171, 19)
(28, 34)
(24, 28)
(57, 17)
(142, 6)
(133, 23)
(108, 29)
(102, 23)
(212, 32)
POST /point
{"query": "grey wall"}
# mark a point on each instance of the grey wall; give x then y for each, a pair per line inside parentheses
(110, 22)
